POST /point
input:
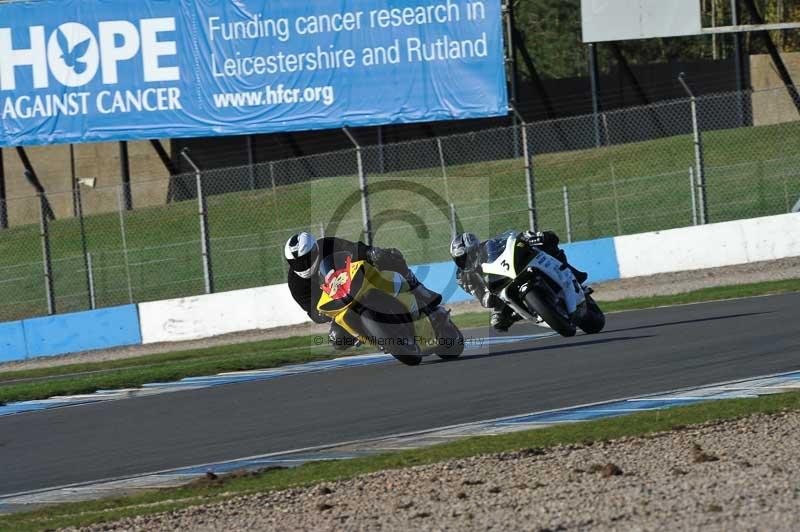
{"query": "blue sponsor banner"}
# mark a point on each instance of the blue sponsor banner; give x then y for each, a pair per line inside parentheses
(103, 70)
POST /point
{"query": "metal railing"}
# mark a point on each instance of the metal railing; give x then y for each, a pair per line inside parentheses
(643, 176)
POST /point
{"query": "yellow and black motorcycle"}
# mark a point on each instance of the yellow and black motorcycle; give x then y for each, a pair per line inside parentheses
(379, 308)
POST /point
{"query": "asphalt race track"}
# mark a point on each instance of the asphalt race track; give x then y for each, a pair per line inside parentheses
(640, 352)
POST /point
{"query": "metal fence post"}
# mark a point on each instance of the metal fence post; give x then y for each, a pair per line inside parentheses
(362, 181)
(444, 169)
(698, 152)
(121, 210)
(616, 198)
(567, 217)
(202, 210)
(84, 244)
(786, 191)
(3, 206)
(275, 207)
(453, 223)
(44, 233)
(90, 277)
(251, 161)
(530, 179)
(125, 172)
(274, 189)
(594, 79)
(694, 196)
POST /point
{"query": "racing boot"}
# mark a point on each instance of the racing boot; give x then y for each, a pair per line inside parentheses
(440, 319)
(580, 276)
(503, 318)
(427, 300)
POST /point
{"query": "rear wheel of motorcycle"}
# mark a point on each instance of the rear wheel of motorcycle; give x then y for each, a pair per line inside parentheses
(593, 320)
(541, 306)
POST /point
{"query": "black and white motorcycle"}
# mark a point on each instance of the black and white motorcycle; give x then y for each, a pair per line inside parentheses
(534, 283)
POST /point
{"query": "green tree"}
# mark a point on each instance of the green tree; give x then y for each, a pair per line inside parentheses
(552, 35)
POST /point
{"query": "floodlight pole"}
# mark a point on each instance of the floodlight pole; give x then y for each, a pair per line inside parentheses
(362, 181)
(205, 239)
(530, 177)
(698, 152)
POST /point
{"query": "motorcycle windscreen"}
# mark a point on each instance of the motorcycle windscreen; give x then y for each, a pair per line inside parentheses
(495, 247)
(333, 263)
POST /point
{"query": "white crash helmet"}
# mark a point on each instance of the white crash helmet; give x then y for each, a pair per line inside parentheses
(302, 254)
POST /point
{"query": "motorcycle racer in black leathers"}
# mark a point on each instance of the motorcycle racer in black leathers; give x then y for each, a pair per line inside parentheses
(468, 253)
(304, 252)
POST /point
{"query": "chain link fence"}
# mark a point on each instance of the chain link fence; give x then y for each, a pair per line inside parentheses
(593, 176)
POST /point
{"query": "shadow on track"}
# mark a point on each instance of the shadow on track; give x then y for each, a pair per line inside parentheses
(687, 322)
(531, 350)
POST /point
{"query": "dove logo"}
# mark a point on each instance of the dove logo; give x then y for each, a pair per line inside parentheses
(73, 54)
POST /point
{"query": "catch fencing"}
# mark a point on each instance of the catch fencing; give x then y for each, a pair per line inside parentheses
(621, 172)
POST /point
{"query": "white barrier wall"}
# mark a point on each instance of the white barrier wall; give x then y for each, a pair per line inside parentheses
(192, 318)
(709, 246)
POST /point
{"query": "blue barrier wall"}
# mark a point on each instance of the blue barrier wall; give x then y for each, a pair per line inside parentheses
(441, 277)
(12, 341)
(598, 258)
(82, 331)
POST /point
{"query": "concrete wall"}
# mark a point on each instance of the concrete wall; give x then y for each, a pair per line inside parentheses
(773, 107)
(709, 246)
(607, 259)
(191, 318)
(100, 160)
(70, 333)
(12, 341)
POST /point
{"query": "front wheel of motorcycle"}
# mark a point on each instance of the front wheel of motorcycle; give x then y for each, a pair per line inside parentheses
(454, 346)
(542, 306)
(409, 360)
(593, 320)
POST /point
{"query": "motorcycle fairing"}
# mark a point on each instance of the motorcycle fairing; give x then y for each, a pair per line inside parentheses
(557, 271)
(506, 266)
(364, 281)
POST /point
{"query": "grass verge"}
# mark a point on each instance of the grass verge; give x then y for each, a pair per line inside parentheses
(164, 500)
(133, 372)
